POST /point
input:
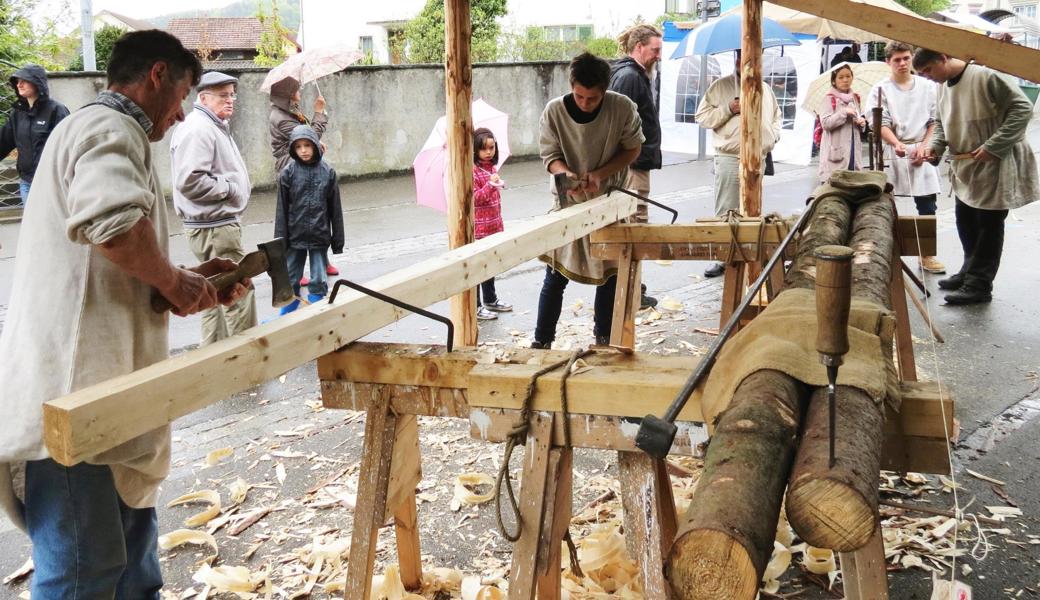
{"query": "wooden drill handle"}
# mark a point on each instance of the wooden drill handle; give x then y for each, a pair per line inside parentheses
(833, 295)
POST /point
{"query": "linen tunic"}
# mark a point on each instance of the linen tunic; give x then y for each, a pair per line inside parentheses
(584, 148)
(908, 113)
(75, 319)
(985, 108)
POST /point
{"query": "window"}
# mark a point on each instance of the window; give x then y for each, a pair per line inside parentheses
(568, 33)
(779, 73)
(367, 46)
(687, 89)
(1028, 11)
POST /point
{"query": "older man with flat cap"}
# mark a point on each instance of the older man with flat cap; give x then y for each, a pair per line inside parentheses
(210, 193)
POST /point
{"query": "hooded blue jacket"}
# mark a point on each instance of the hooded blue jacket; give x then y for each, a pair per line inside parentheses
(309, 214)
(28, 128)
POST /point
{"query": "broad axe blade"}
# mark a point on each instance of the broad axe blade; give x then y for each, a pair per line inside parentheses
(562, 183)
(278, 271)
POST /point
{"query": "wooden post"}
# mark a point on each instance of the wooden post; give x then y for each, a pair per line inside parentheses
(751, 111)
(458, 83)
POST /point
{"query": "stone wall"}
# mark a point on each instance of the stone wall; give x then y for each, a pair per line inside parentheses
(379, 117)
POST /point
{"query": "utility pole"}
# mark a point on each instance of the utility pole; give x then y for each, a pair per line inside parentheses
(86, 26)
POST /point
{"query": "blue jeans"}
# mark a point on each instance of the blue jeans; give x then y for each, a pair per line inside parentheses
(550, 304)
(88, 544)
(319, 285)
(926, 205)
(23, 190)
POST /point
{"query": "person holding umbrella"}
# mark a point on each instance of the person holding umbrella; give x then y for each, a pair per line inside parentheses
(719, 111)
(285, 115)
(590, 135)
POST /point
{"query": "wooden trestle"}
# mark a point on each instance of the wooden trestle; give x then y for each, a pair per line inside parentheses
(394, 383)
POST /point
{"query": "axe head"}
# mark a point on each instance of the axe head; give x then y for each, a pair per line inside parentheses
(563, 184)
(281, 287)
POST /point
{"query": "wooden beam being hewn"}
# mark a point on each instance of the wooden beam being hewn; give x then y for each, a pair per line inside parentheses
(966, 45)
(100, 417)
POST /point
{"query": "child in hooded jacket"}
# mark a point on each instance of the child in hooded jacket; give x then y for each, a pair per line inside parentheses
(308, 215)
(487, 213)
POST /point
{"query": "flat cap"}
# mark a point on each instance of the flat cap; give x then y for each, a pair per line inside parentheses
(214, 79)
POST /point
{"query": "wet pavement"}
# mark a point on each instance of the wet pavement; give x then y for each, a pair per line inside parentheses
(990, 362)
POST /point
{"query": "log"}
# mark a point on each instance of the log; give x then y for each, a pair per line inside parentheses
(751, 110)
(836, 507)
(458, 91)
(829, 225)
(725, 544)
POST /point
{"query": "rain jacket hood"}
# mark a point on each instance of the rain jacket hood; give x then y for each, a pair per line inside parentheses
(34, 74)
(303, 132)
(282, 93)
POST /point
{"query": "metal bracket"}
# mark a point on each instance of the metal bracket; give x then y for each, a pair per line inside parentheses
(675, 213)
(397, 303)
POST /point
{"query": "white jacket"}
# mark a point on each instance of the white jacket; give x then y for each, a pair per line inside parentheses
(714, 114)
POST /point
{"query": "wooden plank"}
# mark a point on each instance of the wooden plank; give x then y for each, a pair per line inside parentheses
(921, 413)
(644, 511)
(633, 391)
(867, 577)
(458, 91)
(627, 296)
(522, 575)
(409, 554)
(407, 400)
(691, 251)
(751, 111)
(965, 45)
(903, 338)
(100, 417)
(405, 466)
(733, 289)
(916, 235)
(587, 431)
(373, 480)
(713, 232)
(557, 518)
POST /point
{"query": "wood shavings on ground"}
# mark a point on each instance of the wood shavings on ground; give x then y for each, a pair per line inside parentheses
(210, 496)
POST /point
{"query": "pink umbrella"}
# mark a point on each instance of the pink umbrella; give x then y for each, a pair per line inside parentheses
(430, 164)
(309, 65)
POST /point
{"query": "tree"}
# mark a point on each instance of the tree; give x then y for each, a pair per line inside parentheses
(21, 42)
(273, 35)
(925, 7)
(424, 35)
(104, 39)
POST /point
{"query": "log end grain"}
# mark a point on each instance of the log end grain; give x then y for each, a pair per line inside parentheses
(707, 563)
(828, 513)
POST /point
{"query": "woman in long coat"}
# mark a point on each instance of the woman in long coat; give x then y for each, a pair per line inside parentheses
(842, 122)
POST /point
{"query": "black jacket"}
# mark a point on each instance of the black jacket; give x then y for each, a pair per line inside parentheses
(309, 215)
(27, 129)
(629, 78)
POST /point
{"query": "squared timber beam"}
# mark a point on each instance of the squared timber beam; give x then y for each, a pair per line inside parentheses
(965, 45)
(87, 422)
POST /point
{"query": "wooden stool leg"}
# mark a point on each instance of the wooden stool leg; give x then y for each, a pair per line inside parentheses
(627, 297)
(904, 341)
(863, 571)
(523, 574)
(373, 481)
(733, 286)
(405, 474)
(649, 513)
(555, 521)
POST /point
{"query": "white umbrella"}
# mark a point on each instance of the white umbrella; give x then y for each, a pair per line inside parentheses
(309, 65)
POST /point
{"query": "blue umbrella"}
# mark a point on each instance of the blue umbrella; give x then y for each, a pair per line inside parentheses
(724, 35)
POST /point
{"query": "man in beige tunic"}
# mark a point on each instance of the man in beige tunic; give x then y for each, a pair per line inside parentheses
(982, 117)
(92, 251)
(591, 135)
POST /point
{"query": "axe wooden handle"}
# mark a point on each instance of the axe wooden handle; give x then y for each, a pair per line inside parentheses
(251, 265)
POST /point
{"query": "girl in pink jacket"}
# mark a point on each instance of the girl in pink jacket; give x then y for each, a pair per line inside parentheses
(487, 213)
(842, 122)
